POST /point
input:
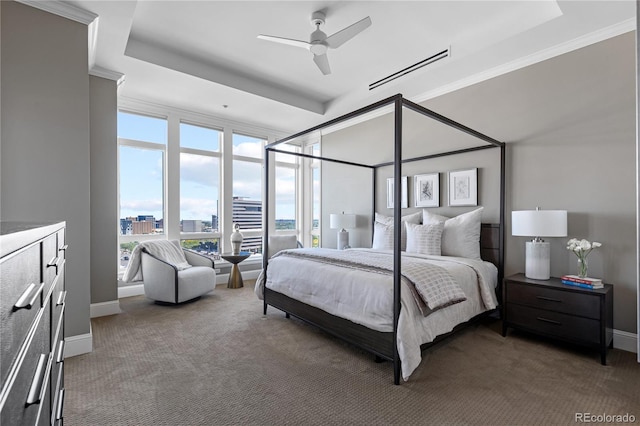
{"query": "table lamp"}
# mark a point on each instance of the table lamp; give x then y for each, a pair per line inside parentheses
(342, 222)
(538, 223)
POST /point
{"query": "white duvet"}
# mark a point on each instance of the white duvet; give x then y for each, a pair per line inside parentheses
(366, 298)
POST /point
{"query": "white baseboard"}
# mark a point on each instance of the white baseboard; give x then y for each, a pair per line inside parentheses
(103, 309)
(78, 345)
(130, 290)
(625, 341)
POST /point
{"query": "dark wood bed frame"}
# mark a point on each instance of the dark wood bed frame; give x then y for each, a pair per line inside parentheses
(379, 343)
(383, 345)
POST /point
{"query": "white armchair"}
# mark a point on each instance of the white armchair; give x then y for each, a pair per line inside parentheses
(282, 242)
(167, 283)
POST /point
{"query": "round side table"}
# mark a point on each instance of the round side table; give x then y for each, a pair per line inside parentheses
(235, 277)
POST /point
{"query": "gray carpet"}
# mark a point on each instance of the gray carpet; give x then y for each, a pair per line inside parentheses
(219, 361)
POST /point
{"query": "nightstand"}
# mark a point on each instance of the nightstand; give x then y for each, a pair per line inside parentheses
(552, 309)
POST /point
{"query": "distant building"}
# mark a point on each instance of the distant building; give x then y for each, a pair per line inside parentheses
(142, 224)
(191, 226)
(126, 227)
(144, 227)
(214, 222)
(248, 215)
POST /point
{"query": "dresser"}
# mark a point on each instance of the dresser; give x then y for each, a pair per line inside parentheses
(550, 308)
(32, 304)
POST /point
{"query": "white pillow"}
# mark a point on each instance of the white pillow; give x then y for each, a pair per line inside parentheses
(382, 236)
(461, 234)
(388, 220)
(424, 239)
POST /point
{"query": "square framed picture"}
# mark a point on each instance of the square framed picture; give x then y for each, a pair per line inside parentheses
(427, 190)
(463, 187)
(390, 189)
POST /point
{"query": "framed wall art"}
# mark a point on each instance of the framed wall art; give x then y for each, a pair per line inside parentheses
(427, 190)
(463, 187)
(390, 189)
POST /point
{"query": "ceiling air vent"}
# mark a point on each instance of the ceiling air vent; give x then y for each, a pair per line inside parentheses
(430, 60)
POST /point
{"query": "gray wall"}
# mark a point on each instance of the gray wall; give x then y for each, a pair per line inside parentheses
(104, 191)
(45, 136)
(569, 124)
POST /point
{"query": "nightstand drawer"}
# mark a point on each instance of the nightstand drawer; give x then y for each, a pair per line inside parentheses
(554, 323)
(557, 300)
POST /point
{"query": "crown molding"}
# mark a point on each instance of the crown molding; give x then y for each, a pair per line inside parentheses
(542, 55)
(98, 71)
(143, 106)
(65, 10)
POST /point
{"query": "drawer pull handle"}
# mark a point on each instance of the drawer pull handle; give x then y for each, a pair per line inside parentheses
(549, 299)
(28, 298)
(54, 262)
(36, 384)
(64, 247)
(61, 298)
(60, 405)
(549, 321)
(60, 356)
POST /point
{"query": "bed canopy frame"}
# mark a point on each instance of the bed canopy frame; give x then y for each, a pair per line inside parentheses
(384, 345)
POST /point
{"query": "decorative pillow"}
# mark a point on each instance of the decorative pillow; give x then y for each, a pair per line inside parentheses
(382, 236)
(461, 234)
(388, 220)
(424, 239)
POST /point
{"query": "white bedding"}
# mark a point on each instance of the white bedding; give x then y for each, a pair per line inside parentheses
(366, 298)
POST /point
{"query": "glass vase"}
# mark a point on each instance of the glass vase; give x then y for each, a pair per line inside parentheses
(583, 267)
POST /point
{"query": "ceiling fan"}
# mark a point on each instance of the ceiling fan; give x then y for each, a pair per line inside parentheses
(319, 42)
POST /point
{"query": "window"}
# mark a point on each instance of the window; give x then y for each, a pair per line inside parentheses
(199, 179)
(141, 157)
(189, 177)
(247, 189)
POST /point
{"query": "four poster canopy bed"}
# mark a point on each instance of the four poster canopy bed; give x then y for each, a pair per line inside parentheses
(424, 277)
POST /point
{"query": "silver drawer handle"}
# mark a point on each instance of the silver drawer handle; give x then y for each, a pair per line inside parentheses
(54, 262)
(549, 299)
(60, 356)
(60, 405)
(61, 298)
(549, 321)
(64, 247)
(28, 298)
(36, 383)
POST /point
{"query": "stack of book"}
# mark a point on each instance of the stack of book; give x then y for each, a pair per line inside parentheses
(585, 282)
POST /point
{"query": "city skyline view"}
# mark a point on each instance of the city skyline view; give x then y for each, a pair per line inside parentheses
(142, 171)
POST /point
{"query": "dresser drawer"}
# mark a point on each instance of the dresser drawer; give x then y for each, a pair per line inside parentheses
(569, 327)
(58, 391)
(58, 300)
(556, 300)
(32, 377)
(20, 301)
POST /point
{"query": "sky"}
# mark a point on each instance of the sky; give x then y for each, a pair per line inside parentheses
(141, 171)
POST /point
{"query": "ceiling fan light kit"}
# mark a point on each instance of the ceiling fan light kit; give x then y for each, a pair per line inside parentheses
(319, 42)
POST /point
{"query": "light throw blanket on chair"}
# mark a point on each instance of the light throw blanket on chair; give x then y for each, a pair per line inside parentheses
(169, 251)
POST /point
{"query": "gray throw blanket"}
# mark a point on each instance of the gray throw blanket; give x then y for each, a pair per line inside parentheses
(432, 286)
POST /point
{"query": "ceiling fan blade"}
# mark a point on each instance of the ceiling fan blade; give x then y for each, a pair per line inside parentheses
(323, 63)
(289, 41)
(343, 36)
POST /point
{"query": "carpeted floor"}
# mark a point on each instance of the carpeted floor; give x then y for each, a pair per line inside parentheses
(219, 361)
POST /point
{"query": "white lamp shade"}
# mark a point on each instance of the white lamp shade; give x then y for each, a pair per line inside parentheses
(342, 221)
(539, 223)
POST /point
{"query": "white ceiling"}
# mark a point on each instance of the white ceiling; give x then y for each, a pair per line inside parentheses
(202, 55)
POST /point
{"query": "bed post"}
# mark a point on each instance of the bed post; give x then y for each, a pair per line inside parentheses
(265, 243)
(503, 155)
(397, 248)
